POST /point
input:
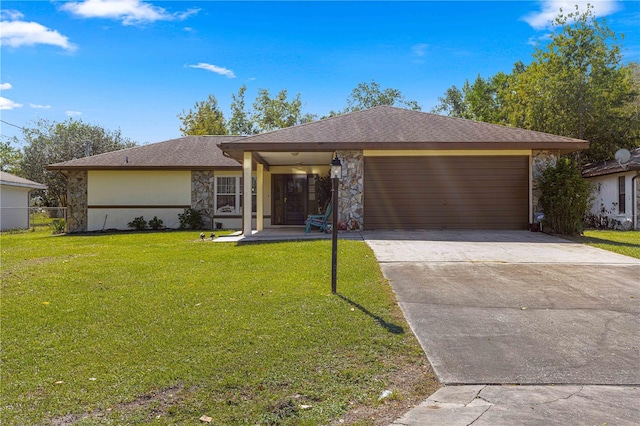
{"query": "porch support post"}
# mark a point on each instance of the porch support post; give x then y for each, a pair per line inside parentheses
(260, 198)
(246, 194)
(531, 206)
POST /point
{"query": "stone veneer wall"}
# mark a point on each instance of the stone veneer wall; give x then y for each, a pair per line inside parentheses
(351, 189)
(77, 200)
(202, 193)
(540, 161)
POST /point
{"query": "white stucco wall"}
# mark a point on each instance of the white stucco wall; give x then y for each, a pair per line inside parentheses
(605, 193)
(14, 207)
(120, 196)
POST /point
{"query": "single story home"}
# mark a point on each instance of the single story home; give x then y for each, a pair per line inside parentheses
(615, 191)
(14, 201)
(107, 191)
(402, 169)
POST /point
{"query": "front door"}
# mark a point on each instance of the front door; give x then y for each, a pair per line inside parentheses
(289, 199)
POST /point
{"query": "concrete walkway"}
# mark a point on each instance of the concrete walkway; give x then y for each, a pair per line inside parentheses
(283, 233)
(497, 309)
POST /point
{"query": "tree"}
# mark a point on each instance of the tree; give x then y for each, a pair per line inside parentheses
(204, 119)
(369, 95)
(240, 122)
(10, 158)
(576, 86)
(272, 113)
(485, 100)
(51, 142)
(452, 103)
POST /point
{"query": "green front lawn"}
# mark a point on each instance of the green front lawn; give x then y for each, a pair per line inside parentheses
(623, 242)
(164, 328)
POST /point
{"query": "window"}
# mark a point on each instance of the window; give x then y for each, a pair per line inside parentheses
(621, 195)
(229, 194)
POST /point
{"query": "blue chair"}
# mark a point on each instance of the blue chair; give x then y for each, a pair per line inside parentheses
(319, 220)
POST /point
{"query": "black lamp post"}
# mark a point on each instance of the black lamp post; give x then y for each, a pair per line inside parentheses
(336, 174)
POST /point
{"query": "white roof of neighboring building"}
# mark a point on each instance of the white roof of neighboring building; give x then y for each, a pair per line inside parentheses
(12, 180)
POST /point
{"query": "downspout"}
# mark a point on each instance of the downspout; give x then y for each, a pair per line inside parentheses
(634, 202)
(29, 208)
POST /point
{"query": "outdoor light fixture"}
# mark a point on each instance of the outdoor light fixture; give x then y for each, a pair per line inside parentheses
(336, 168)
(336, 174)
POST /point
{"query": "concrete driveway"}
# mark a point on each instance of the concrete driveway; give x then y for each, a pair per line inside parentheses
(516, 307)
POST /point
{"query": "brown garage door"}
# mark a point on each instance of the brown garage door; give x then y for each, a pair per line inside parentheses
(446, 192)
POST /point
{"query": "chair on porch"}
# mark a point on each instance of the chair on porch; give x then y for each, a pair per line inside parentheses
(319, 220)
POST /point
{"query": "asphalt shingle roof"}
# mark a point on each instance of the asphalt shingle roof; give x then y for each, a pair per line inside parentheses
(612, 166)
(13, 180)
(386, 127)
(188, 152)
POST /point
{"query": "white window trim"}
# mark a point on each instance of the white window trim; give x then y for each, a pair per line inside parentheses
(238, 194)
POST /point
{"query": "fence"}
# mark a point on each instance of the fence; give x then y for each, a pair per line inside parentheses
(47, 216)
(29, 217)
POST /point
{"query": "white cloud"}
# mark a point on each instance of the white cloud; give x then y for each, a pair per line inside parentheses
(36, 106)
(73, 113)
(214, 68)
(420, 49)
(130, 12)
(551, 8)
(16, 33)
(11, 15)
(8, 104)
(5, 86)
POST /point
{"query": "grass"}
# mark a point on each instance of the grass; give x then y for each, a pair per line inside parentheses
(163, 328)
(622, 242)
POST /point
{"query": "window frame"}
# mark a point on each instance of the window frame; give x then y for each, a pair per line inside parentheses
(622, 194)
(237, 194)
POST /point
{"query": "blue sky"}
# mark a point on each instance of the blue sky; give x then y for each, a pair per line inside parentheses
(135, 65)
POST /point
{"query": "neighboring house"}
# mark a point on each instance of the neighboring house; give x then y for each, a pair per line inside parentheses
(402, 169)
(14, 201)
(615, 190)
(107, 191)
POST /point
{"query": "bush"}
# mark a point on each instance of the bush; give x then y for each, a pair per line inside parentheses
(155, 223)
(565, 197)
(190, 219)
(139, 224)
(58, 226)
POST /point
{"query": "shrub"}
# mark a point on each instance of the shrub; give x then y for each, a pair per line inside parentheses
(139, 224)
(565, 197)
(190, 219)
(155, 223)
(58, 226)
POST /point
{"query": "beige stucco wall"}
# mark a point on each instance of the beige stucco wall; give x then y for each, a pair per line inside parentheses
(148, 187)
(14, 203)
(115, 198)
(139, 192)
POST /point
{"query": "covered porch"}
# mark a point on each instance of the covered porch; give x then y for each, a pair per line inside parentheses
(283, 189)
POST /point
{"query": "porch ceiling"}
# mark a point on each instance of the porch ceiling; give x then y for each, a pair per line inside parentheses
(295, 158)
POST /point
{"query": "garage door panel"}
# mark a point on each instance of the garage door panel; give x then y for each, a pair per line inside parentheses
(446, 192)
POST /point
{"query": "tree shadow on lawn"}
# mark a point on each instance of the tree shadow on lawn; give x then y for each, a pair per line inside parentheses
(390, 327)
(595, 240)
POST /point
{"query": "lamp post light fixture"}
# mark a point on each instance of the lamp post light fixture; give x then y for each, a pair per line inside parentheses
(336, 175)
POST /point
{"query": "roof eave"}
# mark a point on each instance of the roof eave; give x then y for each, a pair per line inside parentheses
(231, 148)
(61, 168)
(605, 172)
